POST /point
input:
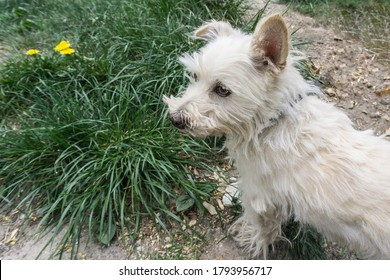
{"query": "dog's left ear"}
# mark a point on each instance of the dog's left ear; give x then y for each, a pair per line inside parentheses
(270, 40)
(212, 29)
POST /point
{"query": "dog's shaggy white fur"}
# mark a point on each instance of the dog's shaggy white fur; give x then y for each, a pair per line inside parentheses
(296, 154)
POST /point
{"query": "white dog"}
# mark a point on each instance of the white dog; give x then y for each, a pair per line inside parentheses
(297, 155)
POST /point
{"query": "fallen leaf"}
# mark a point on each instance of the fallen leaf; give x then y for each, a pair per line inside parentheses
(184, 202)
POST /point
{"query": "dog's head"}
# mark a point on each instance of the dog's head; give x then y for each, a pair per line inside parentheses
(232, 78)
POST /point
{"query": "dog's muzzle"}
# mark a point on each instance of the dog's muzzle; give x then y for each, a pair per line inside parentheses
(178, 120)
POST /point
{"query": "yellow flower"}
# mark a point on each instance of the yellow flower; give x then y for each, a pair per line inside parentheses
(67, 51)
(32, 51)
(62, 46)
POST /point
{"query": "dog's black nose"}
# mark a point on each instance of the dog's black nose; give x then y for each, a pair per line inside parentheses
(177, 121)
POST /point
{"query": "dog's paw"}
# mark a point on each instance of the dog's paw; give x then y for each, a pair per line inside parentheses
(251, 238)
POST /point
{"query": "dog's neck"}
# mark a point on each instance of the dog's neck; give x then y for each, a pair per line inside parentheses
(281, 114)
(247, 139)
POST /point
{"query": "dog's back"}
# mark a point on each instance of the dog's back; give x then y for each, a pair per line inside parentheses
(316, 166)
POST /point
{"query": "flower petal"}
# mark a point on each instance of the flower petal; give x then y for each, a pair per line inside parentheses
(32, 51)
(62, 46)
(67, 51)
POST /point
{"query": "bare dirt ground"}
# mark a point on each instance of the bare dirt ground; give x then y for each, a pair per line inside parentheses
(353, 79)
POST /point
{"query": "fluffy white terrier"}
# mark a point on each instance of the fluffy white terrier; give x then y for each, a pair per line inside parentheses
(297, 155)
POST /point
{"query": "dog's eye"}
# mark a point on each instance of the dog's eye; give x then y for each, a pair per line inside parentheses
(221, 90)
(195, 77)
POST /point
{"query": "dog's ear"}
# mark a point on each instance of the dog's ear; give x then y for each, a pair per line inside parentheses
(270, 40)
(212, 29)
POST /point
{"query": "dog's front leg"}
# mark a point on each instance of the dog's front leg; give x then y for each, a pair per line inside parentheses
(256, 230)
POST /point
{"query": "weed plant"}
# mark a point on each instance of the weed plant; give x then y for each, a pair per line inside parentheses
(84, 138)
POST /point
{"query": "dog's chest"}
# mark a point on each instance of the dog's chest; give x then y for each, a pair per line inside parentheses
(268, 178)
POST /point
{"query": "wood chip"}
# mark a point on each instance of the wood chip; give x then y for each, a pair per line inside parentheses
(221, 189)
(210, 208)
(13, 237)
(192, 223)
(220, 204)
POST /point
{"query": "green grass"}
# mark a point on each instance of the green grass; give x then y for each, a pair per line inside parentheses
(84, 138)
(367, 21)
(305, 243)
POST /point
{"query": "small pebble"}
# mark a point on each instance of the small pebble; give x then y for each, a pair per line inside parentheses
(330, 92)
(232, 180)
(374, 115)
(227, 200)
(386, 117)
(385, 101)
(350, 104)
(232, 190)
